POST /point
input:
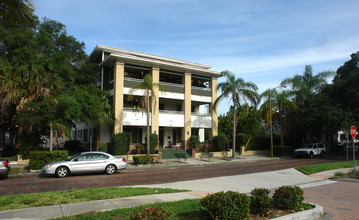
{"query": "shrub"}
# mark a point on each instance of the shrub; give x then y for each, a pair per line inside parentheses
(194, 141)
(153, 143)
(226, 205)
(144, 159)
(121, 142)
(203, 147)
(73, 145)
(283, 151)
(24, 150)
(140, 148)
(102, 147)
(260, 201)
(288, 197)
(153, 213)
(38, 159)
(220, 141)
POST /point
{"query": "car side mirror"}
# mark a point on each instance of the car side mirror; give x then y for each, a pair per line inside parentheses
(76, 160)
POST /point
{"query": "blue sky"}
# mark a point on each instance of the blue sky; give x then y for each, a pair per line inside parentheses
(261, 41)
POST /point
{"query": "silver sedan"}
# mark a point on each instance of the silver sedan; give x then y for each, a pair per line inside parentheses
(86, 162)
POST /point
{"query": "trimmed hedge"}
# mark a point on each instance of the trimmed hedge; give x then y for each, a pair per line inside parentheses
(283, 151)
(121, 143)
(261, 203)
(38, 159)
(226, 205)
(220, 141)
(143, 159)
(257, 142)
(288, 197)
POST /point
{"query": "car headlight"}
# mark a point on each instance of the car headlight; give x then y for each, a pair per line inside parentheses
(48, 166)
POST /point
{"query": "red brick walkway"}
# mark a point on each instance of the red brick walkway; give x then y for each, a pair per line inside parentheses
(340, 200)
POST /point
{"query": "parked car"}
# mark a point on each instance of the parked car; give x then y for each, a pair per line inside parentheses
(86, 162)
(311, 150)
(350, 147)
(4, 168)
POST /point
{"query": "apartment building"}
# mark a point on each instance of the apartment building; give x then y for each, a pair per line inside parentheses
(184, 109)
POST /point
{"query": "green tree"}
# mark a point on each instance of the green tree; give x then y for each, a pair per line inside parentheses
(305, 87)
(147, 86)
(281, 105)
(236, 89)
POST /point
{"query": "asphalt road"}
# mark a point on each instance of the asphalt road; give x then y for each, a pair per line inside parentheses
(35, 184)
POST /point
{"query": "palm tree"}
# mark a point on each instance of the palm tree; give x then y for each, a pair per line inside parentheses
(148, 86)
(14, 12)
(281, 107)
(236, 89)
(307, 84)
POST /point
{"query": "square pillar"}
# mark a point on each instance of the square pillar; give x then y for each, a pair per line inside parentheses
(155, 101)
(118, 85)
(186, 131)
(214, 115)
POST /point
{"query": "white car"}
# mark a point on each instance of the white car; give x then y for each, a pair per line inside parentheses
(86, 162)
(311, 150)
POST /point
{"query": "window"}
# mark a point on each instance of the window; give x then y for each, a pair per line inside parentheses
(84, 157)
(99, 157)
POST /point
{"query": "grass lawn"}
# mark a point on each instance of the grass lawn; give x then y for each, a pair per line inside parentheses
(310, 169)
(71, 196)
(180, 210)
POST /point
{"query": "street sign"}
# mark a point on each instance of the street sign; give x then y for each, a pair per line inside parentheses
(353, 131)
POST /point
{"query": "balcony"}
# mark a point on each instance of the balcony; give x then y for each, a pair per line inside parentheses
(166, 119)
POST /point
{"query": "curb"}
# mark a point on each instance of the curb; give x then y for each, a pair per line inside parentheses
(315, 213)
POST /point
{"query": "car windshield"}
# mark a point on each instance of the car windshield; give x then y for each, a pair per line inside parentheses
(74, 156)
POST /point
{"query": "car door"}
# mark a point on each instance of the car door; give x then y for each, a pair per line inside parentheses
(99, 162)
(315, 149)
(81, 164)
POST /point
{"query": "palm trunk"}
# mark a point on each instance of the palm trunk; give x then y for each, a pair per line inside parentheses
(281, 128)
(51, 136)
(234, 126)
(148, 124)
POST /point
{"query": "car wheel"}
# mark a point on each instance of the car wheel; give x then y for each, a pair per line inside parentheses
(110, 169)
(311, 155)
(322, 154)
(62, 172)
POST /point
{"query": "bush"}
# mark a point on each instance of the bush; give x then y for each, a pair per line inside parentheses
(194, 141)
(121, 142)
(226, 205)
(241, 140)
(153, 213)
(283, 151)
(38, 159)
(144, 159)
(203, 147)
(102, 147)
(288, 197)
(260, 201)
(24, 151)
(220, 141)
(153, 143)
(140, 148)
(73, 145)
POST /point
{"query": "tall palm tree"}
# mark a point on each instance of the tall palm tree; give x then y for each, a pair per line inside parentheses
(307, 84)
(281, 107)
(236, 89)
(13, 12)
(148, 86)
